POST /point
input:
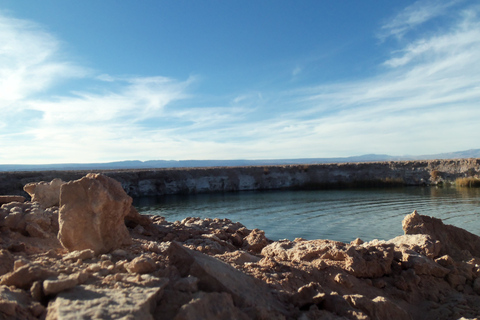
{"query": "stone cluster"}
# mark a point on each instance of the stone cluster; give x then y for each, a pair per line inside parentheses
(91, 255)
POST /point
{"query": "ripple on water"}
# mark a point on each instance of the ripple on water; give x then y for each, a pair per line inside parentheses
(341, 215)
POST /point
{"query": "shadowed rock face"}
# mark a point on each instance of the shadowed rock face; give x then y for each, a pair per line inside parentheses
(92, 212)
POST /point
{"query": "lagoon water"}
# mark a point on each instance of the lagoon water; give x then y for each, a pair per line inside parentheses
(341, 215)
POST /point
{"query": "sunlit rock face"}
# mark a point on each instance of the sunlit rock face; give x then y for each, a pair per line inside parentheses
(47, 194)
(92, 213)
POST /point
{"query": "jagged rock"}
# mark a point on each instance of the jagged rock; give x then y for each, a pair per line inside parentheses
(369, 261)
(455, 242)
(24, 276)
(255, 241)
(45, 193)
(29, 219)
(8, 199)
(89, 302)
(92, 214)
(212, 306)
(303, 250)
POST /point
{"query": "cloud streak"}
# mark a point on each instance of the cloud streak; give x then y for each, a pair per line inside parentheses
(413, 16)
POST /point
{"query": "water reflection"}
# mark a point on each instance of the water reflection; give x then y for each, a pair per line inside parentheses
(341, 215)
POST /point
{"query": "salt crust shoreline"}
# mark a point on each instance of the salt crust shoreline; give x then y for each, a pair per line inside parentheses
(79, 250)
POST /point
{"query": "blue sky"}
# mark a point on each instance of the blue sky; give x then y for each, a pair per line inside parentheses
(98, 81)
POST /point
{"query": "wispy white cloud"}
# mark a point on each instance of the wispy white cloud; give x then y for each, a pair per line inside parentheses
(82, 125)
(413, 16)
(30, 60)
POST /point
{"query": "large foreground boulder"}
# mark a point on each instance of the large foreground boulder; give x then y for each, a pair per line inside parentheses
(455, 242)
(92, 213)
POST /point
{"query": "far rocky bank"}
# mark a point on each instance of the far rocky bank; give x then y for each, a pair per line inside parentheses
(80, 250)
(158, 182)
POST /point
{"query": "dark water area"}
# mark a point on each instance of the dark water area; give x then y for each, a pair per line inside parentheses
(341, 215)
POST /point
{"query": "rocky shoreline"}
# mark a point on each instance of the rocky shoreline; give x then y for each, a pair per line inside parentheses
(79, 250)
(160, 182)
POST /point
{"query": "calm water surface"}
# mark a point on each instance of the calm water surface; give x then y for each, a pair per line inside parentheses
(341, 215)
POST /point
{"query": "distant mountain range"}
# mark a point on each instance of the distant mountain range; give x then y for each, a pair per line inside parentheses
(152, 164)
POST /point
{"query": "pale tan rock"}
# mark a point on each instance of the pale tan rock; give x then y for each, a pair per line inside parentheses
(20, 263)
(8, 199)
(421, 243)
(51, 287)
(79, 254)
(306, 250)
(141, 265)
(26, 275)
(45, 193)
(92, 214)
(90, 302)
(213, 306)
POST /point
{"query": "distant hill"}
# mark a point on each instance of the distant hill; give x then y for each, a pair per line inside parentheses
(152, 164)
